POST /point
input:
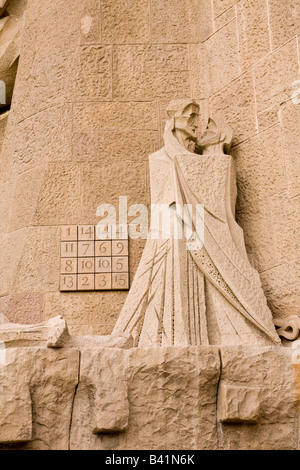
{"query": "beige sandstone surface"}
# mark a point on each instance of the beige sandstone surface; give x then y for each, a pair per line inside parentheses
(88, 85)
(37, 392)
(93, 82)
(183, 398)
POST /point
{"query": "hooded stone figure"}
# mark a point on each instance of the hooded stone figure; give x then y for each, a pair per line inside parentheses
(195, 286)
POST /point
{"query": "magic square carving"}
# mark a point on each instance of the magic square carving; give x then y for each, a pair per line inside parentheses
(90, 264)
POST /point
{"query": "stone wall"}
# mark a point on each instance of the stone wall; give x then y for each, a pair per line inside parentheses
(238, 398)
(89, 104)
(253, 58)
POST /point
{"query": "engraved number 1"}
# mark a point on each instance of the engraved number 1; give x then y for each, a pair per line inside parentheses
(69, 283)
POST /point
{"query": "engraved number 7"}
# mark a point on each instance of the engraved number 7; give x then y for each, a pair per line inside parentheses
(87, 245)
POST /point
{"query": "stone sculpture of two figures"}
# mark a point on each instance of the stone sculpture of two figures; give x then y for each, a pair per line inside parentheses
(182, 295)
(187, 293)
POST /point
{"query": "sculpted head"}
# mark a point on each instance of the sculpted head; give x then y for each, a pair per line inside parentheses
(184, 117)
(217, 137)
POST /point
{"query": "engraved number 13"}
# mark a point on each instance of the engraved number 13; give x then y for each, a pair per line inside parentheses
(69, 282)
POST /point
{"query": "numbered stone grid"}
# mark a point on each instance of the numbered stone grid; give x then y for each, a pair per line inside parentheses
(89, 263)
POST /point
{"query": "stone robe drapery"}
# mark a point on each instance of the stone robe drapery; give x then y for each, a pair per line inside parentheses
(200, 297)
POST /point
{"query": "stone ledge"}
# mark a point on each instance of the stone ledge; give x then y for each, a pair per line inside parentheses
(204, 397)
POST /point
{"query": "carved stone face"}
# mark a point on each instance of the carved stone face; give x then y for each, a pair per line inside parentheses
(188, 121)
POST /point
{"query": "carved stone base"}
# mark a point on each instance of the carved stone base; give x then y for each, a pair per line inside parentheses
(162, 398)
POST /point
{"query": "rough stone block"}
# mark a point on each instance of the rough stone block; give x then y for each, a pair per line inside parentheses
(59, 47)
(284, 20)
(53, 80)
(105, 145)
(286, 222)
(25, 196)
(146, 73)
(236, 103)
(178, 22)
(281, 285)
(6, 195)
(254, 40)
(275, 75)
(38, 252)
(111, 412)
(258, 437)
(40, 383)
(238, 404)
(284, 301)
(79, 72)
(260, 167)
(26, 308)
(59, 34)
(268, 118)
(15, 406)
(51, 334)
(5, 157)
(220, 6)
(36, 8)
(254, 367)
(222, 48)
(281, 276)
(224, 18)
(205, 23)
(179, 381)
(72, 25)
(125, 22)
(260, 235)
(90, 22)
(86, 312)
(250, 367)
(290, 119)
(39, 139)
(103, 378)
(58, 200)
(200, 79)
(171, 394)
(92, 73)
(169, 21)
(132, 182)
(54, 378)
(22, 104)
(11, 248)
(115, 116)
(4, 301)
